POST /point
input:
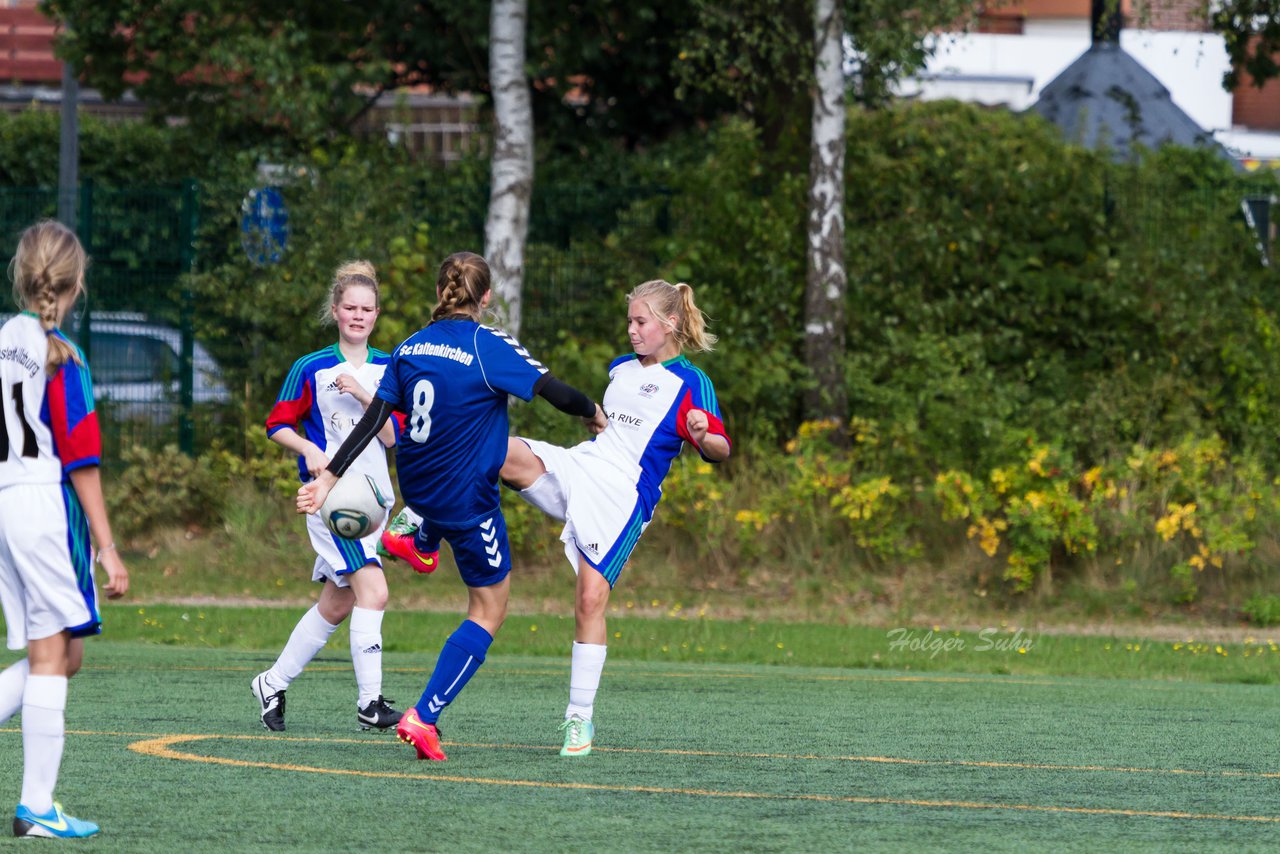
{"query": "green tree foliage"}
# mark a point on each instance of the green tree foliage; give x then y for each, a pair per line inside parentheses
(248, 70)
(350, 202)
(1251, 29)
(113, 153)
(760, 54)
(256, 71)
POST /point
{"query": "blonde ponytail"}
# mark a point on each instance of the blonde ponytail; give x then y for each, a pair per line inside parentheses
(667, 300)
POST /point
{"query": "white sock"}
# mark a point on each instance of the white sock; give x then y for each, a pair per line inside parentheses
(44, 707)
(366, 653)
(12, 682)
(584, 678)
(308, 638)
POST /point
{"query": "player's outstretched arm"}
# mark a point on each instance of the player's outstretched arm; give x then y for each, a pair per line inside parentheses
(348, 384)
(570, 401)
(312, 495)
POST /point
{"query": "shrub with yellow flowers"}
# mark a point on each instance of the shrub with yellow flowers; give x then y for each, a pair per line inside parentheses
(835, 484)
(1033, 511)
(1195, 507)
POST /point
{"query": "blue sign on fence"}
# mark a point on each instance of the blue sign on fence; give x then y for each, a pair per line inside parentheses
(264, 225)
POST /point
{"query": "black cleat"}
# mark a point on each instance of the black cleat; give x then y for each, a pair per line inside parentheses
(272, 703)
(378, 715)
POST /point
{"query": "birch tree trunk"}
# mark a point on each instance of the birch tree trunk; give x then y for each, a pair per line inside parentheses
(826, 283)
(511, 171)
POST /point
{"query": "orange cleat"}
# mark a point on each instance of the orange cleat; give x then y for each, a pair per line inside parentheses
(402, 546)
(424, 737)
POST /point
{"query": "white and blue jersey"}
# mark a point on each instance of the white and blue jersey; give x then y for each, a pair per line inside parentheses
(452, 380)
(48, 428)
(606, 489)
(311, 404)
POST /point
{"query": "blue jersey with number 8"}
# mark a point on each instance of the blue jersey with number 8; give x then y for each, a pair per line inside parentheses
(452, 380)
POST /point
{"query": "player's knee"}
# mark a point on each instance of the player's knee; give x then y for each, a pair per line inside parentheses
(592, 601)
(517, 470)
(373, 598)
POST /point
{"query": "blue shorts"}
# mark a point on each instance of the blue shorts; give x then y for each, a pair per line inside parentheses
(481, 552)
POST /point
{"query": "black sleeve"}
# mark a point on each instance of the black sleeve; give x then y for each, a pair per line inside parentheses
(366, 428)
(564, 397)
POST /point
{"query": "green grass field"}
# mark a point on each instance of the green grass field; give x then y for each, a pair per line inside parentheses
(165, 751)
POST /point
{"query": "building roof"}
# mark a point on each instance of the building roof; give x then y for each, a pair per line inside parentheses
(1106, 99)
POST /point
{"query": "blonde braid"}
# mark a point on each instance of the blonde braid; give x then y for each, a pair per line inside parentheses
(462, 283)
(48, 265)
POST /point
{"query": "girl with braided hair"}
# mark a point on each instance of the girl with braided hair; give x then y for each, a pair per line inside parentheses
(51, 505)
(452, 379)
(323, 396)
(606, 490)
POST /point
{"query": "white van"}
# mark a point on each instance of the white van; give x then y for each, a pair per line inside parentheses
(136, 366)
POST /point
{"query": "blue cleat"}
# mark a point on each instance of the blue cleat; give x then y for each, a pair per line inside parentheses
(55, 824)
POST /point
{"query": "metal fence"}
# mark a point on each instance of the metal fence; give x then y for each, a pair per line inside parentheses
(152, 380)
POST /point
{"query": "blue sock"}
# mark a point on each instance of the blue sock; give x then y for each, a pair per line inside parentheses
(461, 657)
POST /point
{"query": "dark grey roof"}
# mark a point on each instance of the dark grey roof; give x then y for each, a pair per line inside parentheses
(1106, 99)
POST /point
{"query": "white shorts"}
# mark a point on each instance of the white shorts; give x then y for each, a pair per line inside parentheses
(337, 557)
(46, 573)
(598, 503)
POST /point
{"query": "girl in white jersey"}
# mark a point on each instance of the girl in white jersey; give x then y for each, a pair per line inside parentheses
(50, 505)
(606, 489)
(324, 395)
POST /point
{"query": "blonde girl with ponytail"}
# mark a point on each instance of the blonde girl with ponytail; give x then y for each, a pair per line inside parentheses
(51, 510)
(606, 489)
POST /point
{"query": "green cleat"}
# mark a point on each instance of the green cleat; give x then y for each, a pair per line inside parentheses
(398, 526)
(577, 736)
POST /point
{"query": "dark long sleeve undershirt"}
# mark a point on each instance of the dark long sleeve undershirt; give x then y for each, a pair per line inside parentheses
(564, 397)
(559, 394)
(366, 428)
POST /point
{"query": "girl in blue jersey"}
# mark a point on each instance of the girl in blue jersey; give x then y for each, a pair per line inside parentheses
(324, 395)
(452, 380)
(50, 505)
(606, 489)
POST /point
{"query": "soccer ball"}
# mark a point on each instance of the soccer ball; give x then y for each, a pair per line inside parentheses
(355, 507)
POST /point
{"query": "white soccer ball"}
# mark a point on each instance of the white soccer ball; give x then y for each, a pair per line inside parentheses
(355, 506)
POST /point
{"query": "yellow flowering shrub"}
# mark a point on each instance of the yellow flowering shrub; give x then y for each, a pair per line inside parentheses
(833, 482)
(1033, 510)
(1200, 509)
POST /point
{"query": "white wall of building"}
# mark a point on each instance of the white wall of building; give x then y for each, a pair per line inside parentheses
(995, 69)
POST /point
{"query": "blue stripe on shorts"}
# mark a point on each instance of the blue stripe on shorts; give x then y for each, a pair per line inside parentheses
(81, 562)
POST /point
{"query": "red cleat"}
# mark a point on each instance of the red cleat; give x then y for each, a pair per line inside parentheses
(424, 737)
(402, 546)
